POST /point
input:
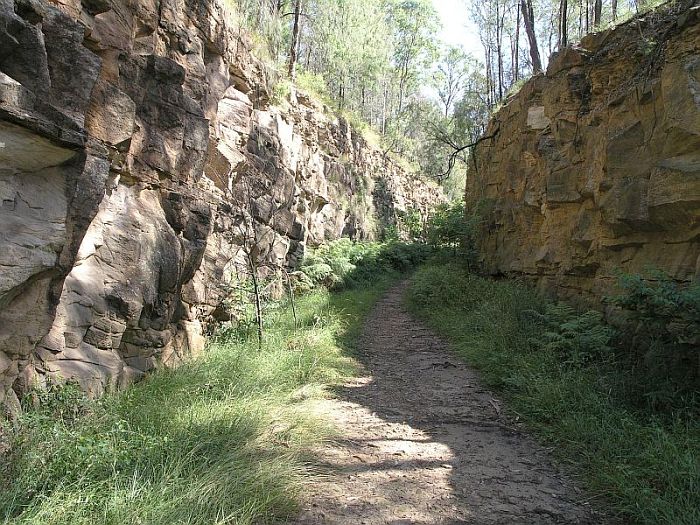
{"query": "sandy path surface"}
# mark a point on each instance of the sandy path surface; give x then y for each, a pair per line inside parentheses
(422, 442)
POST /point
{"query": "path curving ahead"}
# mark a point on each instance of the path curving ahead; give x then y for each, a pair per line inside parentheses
(422, 442)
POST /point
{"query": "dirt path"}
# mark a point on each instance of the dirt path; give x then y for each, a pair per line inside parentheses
(423, 443)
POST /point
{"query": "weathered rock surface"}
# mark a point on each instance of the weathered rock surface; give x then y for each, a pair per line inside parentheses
(133, 136)
(595, 166)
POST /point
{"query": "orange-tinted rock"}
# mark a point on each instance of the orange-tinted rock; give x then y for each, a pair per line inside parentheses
(595, 167)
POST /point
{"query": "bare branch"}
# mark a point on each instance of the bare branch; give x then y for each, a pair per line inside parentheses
(452, 160)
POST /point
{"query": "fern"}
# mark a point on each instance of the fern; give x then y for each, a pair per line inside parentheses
(576, 338)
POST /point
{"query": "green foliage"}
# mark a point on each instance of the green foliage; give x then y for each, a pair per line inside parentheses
(313, 84)
(319, 272)
(225, 438)
(367, 59)
(268, 32)
(345, 263)
(662, 337)
(411, 224)
(280, 92)
(450, 227)
(64, 402)
(576, 338)
(415, 24)
(646, 462)
(349, 44)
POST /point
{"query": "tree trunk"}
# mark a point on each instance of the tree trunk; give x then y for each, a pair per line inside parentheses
(529, 19)
(597, 12)
(258, 303)
(580, 18)
(386, 94)
(489, 79)
(402, 85)
(295, 41)
(499, 50)
(516, 58)
(563, 26)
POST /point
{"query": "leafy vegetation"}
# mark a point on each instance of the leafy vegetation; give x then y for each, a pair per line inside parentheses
(344, 263)
(576, 338)
(382, 65)
(662, 338)
(225, 438)
(452, 228)
(566, 375)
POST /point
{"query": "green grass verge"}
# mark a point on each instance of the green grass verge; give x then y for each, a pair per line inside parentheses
(645, 466)
(222, 439)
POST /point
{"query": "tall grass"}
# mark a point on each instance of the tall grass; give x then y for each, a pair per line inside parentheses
(223, 439)
(645, 464)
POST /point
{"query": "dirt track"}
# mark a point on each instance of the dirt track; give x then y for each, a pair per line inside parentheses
(422, 442)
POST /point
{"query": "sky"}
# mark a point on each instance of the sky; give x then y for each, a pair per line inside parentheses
(457, 29)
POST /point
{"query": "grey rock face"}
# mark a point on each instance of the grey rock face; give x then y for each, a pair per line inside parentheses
(132, 134)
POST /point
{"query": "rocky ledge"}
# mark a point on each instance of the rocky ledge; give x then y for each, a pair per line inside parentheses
(594, 167)
(135, 136)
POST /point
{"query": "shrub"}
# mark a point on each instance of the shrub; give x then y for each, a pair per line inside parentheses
(661, 338)
(411, 224)
(344, 263)
(312, 83)
(450, 227)
(576, 338)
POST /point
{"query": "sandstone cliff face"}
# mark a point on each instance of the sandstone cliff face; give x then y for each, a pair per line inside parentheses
(132, 134)
(595, 166)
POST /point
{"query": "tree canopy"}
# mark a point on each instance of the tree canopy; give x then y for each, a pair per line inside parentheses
(383, 62)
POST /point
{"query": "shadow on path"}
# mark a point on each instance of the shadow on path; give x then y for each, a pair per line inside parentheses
(422, 442)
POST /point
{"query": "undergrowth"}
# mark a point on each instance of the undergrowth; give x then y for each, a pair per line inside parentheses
(344, 263)
(225, 438)
(565, 375)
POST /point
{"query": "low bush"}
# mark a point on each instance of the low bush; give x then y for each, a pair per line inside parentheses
(661, 340)
(345, 263)
(576, 338)
(451, 228)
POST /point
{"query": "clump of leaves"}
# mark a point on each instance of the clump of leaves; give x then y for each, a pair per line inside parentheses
(662, 335)
(345, 263)
(577, 338)
(453, 228)
(411, 223)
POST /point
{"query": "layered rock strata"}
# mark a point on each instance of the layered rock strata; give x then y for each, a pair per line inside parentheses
(594, 168)
(136, 137)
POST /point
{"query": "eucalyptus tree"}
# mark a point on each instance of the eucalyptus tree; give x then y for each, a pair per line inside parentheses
(348, 43)
(529, 21)
(549, 25)
(415, 24)
(450, 76)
